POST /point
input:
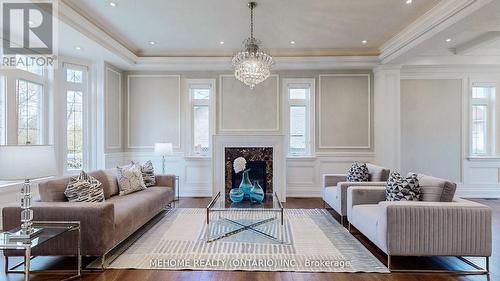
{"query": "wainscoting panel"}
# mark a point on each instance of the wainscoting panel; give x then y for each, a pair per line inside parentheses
(481, 178)
(305, 175)
(195, 173)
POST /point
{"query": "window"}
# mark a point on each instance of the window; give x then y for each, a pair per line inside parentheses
(29, 112)
(299, 98)
(482, 119)
(75, 90)
(3, 112)
(74, 129)
(200, 94)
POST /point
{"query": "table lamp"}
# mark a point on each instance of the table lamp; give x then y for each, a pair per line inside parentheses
(163, 149)
(26, 162)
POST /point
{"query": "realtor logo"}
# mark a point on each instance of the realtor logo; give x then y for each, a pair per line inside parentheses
(27, 28)
(29, 33)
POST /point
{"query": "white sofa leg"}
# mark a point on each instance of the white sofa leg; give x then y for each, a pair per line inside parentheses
(389, 262)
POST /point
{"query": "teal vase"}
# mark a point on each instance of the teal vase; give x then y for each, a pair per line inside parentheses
(246, 185)
(236, 195)
(257, 193)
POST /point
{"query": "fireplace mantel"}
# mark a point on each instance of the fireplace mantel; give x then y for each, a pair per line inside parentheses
(277, 142)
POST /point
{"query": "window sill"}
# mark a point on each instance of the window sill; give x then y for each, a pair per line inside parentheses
(198, 157)
(300, 157)
(483, 158)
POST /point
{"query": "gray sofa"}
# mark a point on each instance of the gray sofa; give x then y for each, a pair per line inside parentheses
(105, 224)
(335, 187)
(437, 226)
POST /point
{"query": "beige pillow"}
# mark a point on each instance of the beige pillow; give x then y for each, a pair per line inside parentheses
(129, 179)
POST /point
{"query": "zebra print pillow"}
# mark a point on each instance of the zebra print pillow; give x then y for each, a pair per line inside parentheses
(84, 188)
(148, 173)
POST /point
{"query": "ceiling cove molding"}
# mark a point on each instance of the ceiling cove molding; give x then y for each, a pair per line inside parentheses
(83, 25)
(443, 15)
(281, 63)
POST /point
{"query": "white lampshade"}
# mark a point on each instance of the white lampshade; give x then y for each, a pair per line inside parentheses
(163, 149)
(20, 162)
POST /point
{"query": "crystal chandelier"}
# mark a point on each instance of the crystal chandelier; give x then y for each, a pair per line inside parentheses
(252, 65)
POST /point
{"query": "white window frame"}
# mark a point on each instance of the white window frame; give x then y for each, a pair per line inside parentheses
(490, 118)
(41, 106)
(309, 103)
(192, 84)
(11, 105)
(10, 76)
(84, 87)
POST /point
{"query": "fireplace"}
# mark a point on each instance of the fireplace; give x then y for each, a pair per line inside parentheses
(259, 161)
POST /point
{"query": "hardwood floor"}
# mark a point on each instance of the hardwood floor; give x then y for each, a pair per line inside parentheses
(155, 275)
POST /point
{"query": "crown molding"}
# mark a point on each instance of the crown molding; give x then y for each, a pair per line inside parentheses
(281, 63)
(85, 26)
(443, 15)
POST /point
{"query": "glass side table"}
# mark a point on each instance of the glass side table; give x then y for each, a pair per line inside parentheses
(51, 229)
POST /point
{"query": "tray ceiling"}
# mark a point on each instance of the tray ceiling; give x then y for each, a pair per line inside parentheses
(196, 27)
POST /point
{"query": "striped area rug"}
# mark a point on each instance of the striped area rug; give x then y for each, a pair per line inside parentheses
(314, 242)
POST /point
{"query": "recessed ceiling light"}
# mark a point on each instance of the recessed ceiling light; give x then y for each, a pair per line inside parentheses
(409, 1)
(152, 42)
(78, 48)
(364, 41)
(221, 42)
(112, 4)
(448, 40)
(292, 42)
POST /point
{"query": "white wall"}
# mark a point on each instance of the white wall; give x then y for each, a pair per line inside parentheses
(241, 111)
(448, 119)
(431, 121)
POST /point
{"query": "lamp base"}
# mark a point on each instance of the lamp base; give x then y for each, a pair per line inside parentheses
(19, 236)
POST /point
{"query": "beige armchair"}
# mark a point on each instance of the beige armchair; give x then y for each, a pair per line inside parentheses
(458, 228)
(335, 187)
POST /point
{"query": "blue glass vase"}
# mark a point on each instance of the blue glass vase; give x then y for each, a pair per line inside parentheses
(246, 185)
(257, 193)
(236, 195)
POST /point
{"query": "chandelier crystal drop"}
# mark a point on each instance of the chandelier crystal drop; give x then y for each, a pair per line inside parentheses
(252, 65)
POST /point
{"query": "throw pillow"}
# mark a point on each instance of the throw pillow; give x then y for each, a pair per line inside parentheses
(358, 172)
(400, 188)
(129, 179)
(148, 173)
(84, 188)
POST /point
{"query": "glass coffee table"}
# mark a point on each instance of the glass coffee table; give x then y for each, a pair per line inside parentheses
(225, 218)
(50, 230)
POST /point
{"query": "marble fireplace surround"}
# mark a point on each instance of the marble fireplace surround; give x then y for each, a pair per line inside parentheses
(263, 155)
(276, 142)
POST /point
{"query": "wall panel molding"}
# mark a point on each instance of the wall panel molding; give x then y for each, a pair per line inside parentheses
(275, 127)
(179, 115)
(322, 145)
(107, 107)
